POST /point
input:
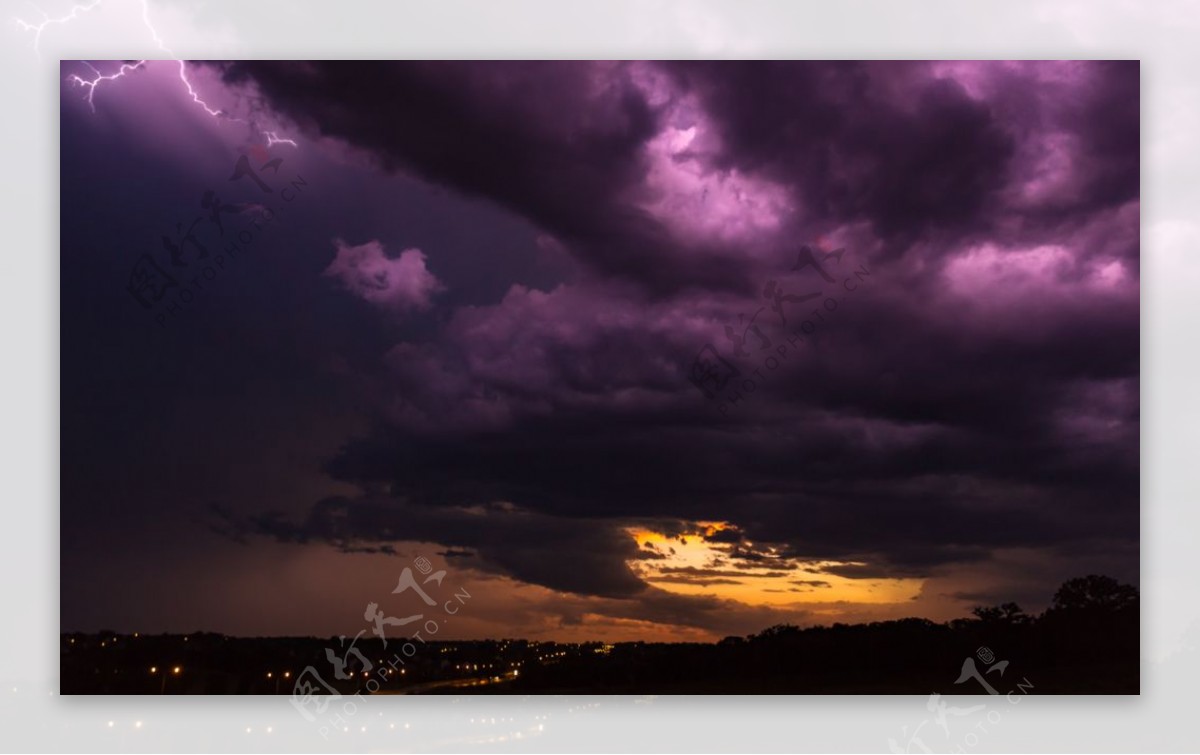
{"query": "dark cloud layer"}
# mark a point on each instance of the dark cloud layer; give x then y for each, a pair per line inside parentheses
(980, 393)
(556, 143)
(975, 394)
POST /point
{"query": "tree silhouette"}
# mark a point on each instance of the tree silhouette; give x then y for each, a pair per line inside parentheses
(1005, 613)
(1094, 593)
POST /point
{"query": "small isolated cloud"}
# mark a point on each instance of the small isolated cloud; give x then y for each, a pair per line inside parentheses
(399, 284)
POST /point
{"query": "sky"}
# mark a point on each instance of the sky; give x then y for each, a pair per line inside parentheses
(632, 350)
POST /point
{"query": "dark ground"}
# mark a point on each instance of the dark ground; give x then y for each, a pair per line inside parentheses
(1086, 643)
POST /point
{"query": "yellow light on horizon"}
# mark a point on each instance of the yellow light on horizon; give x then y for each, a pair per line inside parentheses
(766, 584)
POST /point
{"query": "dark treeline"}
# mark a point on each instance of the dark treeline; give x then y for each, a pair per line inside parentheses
(1085, 642)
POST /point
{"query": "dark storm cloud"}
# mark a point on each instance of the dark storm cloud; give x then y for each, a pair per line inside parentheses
(697, 572)
(559, 144)
(528, 546)
(684, 579)
(585, 560)
(727, 535)
(981, 393)
(716, 615)
(915, 154)
(930, 159)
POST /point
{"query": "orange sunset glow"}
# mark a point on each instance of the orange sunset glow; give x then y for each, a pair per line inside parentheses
(692, 564)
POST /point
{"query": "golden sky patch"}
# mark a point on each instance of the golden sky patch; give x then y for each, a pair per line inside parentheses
(691, 565)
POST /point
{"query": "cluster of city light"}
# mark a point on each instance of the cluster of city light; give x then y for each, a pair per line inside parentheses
(470, 666)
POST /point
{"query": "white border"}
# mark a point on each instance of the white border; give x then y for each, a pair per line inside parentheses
(1163, 35)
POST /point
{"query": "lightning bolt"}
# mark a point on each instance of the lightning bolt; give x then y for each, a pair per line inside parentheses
(91, 84)
(272, 139)
(37, 29)
(101, 78)
(182, 65)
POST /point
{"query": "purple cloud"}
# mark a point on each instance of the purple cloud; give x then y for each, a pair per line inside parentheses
(397, 284)
(978, 397)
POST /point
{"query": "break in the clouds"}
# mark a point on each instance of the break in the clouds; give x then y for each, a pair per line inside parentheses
(965, 422)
